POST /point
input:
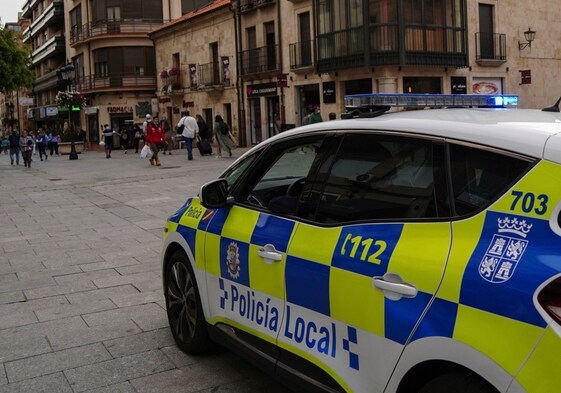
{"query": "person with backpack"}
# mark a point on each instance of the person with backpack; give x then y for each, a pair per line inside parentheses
(224, 138)
(190, 132)
(14, 147)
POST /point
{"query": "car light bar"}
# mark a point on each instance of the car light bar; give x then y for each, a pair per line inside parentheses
(430, 100)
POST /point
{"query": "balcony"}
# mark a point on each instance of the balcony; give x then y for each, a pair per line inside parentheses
(250, 5)
(490, 49)
(53, 14)
(124, 81)
(103, 28)
(210, 76)
(387, 44)
(341, 49)
(260, 62)
(46, 82)
(53, 46)
(302, 56)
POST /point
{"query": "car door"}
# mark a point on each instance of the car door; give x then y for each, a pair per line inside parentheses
(246, 244)
(365, 263)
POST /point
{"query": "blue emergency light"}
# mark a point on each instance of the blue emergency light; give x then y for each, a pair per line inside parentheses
(430, 100)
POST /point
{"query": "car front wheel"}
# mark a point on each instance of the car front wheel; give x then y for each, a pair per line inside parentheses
(183, 306)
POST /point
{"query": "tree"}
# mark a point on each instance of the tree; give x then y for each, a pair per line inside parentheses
(15, 71)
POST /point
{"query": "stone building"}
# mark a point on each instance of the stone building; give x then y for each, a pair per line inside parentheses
(115, 60)
(195, 58)
(263, 63)
(322, 50)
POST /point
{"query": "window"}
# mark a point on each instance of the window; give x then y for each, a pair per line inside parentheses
(379, 177)
(479, 177)
(280, 185)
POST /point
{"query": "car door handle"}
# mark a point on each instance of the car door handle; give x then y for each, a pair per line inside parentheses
(393, 287)
(269, 254)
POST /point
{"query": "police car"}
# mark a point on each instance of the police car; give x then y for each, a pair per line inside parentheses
(415, 251)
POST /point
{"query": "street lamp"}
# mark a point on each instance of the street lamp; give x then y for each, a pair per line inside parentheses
(11, 109)
(67, 74)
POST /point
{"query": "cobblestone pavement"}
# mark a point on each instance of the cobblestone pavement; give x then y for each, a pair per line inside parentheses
(81, 303)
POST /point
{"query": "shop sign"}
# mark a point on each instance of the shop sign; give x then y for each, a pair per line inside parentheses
(262, 90)
(526, 77)
(282, 80)
(329, 93)
(51, 111)
(459, 84)
(119, 109)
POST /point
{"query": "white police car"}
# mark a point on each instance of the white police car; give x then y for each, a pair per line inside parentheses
(418, 251)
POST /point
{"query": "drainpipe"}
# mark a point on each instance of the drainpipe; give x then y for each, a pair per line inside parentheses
(282, 108)
(239, 81)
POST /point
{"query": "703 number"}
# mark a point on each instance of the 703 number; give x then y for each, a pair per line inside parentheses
(529, 202)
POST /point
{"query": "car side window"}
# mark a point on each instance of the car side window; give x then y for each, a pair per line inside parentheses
(235, 172)
(480, 176)
(278, 187)
(380, 177)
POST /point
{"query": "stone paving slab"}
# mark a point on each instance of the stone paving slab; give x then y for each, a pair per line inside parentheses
(118, 370)
(81, 301)
(49, 363)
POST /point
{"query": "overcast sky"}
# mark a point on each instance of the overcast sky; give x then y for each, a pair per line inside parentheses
(9, 10)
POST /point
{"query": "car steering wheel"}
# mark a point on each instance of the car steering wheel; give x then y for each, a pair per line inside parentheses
(295, 188)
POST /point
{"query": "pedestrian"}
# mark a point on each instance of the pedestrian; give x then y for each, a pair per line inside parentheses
(108, 140)
(190, 132)
(332, 116)
(42, 143)
(26, 146)
(34, 137)
(224, 138)
(168, 132)
(124, 134)
(53, 142)
(5, 144)
(306, 118)
(14, 147)
(315, 117)
(137, 136)
(154, 138)
(204, 132)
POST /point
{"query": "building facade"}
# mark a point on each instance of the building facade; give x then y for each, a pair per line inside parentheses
(195, 56)
(45, 34)
(298, 54)
(264, 64)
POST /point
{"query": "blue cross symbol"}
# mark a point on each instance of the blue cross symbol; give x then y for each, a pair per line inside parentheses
(353, 338)
(224, 297)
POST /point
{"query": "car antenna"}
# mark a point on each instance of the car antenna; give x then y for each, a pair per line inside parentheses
(553, 108)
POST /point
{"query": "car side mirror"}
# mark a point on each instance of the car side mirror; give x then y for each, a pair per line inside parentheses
(215, 194)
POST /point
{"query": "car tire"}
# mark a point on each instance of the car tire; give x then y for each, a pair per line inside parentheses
(183, 306)
(457, 383)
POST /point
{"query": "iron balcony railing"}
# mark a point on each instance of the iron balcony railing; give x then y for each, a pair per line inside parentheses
(260, 60)
(115, 80)
(108, 27)
(388, 44)
(210, 75)
(302, 54)
(490, 46)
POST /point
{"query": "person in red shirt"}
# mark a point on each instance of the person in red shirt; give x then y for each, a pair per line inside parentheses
(154, 137)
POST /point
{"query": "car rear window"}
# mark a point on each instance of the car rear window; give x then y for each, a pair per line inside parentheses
(479, 176)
